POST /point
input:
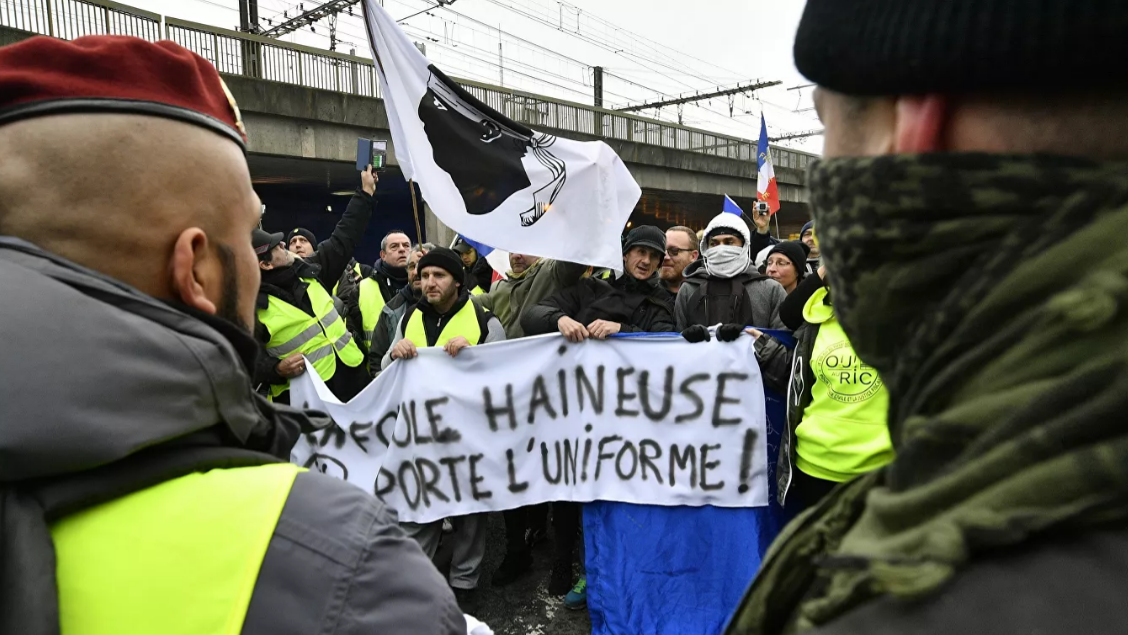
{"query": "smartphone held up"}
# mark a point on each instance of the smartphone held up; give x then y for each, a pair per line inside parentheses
(371, 153)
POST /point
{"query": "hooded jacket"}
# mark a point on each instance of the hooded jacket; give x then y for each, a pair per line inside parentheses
(433, 323)
(166, 393)
(764, 294)
(637, 305)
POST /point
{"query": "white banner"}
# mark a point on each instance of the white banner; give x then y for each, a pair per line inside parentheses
(491, 178)
(652, 420)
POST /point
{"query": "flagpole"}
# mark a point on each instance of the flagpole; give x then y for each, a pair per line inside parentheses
(415, 210)
(776, 217)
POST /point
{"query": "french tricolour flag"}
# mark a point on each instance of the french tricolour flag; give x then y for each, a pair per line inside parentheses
(766, 189)
(498, 258)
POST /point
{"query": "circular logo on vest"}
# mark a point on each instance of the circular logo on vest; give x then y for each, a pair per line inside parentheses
(847, 378)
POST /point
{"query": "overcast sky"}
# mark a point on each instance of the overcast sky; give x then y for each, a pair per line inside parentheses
(651, 50)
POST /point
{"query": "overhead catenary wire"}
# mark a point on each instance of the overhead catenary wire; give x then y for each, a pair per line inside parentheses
(552, 71)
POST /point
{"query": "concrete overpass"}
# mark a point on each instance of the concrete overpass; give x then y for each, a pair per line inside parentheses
(304, 108)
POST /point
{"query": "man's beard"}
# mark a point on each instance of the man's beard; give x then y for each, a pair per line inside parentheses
(229, 302)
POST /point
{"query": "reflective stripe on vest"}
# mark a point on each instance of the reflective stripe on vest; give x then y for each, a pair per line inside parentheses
(178, 558)
(371, 304)
(292, 330)
(464, 323)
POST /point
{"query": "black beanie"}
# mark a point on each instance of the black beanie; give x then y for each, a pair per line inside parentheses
(303, 232)
(646, 236)
(796, 252)
(443, 258)
(907, 47)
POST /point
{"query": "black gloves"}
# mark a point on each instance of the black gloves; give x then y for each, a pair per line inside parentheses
(696, 333)
(725, 333)
(729, 332)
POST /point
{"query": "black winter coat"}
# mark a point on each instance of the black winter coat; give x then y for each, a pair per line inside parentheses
(480, 274)
(637, 305)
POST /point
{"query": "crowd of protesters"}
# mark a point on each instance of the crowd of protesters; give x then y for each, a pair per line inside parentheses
(956, 391)
(671, 281)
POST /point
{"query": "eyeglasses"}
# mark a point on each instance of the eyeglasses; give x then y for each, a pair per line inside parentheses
(674, 252)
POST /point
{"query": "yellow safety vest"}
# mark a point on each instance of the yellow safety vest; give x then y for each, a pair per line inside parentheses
(371, 304)
(356, 268)
(292, 330)
(178, 558)
(844, 431)
(476, 291)
(464, 323)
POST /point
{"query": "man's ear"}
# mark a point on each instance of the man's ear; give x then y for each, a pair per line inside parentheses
(266, 265)
(921, 124)
(197, 274)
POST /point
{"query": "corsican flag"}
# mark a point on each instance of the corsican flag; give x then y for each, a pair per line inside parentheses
(490, 177)
(766, 188)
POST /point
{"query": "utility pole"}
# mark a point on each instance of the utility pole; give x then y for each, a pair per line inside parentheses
(598, 86)
(720, 92)
(500, 66)
(248, 23)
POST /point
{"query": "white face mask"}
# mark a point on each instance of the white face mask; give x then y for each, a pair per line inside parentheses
(726, 261)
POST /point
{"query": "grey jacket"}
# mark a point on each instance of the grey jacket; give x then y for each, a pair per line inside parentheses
(113, 373)
(766, 296)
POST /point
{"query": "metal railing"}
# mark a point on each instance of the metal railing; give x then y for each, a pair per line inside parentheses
(238, 53)
(266, 58)
(70, 19)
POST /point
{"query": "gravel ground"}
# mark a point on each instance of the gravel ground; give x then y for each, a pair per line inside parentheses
(524, 607)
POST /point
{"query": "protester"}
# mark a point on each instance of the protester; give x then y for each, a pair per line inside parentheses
(837, 426)
(378, 286)
(296, 314)
(529, 281)
(594, 307)
(630, 303)
(388, 272)
(973, 228)
(807, 235)
(786, 264)
(384, 330)
(479, 274)
(681, 250)
(724, 287)
(144, 484)
(301, 241)
(448, 318)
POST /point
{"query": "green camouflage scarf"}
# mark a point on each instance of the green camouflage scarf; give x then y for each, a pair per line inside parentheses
(990, 292)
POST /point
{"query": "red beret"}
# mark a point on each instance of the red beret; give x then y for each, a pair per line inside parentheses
(115, 74)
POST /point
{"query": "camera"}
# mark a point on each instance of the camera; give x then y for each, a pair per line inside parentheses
(761, 208)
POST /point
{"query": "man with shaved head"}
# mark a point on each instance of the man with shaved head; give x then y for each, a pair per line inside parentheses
(143, 483)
